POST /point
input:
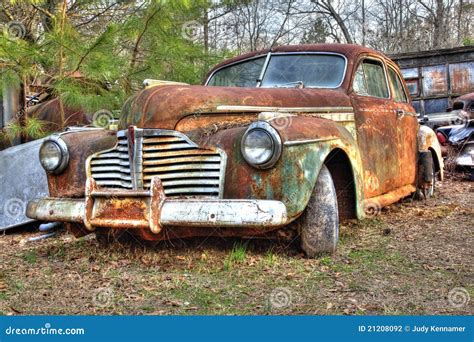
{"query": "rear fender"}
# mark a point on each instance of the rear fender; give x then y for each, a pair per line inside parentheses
(427, 141)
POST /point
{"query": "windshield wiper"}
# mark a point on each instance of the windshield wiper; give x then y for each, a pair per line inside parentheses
(296, 84)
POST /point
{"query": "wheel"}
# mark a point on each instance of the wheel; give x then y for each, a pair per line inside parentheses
(428, 192)
(319, 224)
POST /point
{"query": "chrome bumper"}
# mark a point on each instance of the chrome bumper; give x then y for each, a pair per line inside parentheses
(151, 209)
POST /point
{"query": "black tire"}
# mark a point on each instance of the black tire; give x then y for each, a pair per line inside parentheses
(319, 224)
(429, 192)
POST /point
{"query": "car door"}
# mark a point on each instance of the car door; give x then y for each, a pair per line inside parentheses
(407, 128)
(376, 126)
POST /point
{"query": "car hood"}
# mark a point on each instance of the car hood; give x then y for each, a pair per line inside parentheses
(165, 106)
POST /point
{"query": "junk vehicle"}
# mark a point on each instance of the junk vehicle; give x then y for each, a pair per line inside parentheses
(22, 177)
(457, 141)
(435, 80)
(301, 136)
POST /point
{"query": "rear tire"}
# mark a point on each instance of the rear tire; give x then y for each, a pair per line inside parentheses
(319, 224)
(425, 193)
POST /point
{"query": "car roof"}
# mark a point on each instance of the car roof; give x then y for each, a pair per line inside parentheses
(465, 98)
(348, 50)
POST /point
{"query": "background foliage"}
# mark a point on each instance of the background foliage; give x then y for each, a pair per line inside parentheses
(95, 53)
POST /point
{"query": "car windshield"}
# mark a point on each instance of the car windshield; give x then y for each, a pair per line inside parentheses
(243, 74)
(284, 71)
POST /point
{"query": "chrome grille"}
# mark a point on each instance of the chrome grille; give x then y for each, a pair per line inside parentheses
(184, 168)
(111, 168)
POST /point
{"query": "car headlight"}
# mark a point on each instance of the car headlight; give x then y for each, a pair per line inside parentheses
(261, 145)
(54, 154)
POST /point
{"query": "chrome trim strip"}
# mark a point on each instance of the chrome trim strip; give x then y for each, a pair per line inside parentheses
(307, 141)
(238, 108)
(264, 67)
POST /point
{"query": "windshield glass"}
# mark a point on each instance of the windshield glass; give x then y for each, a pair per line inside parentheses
(310, 70)
(284, 70)
(244, 74)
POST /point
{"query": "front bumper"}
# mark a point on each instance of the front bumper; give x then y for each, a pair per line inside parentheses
(152, 210)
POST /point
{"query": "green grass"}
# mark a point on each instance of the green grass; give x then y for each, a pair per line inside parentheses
(30, 257)
(237, 255)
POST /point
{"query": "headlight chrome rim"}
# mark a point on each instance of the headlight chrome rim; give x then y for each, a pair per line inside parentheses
(64, 154)
(276, 144)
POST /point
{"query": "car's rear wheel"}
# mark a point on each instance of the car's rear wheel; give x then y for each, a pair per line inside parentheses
(319, 224)
(428, 191)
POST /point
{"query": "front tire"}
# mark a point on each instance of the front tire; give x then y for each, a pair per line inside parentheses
(319, 224)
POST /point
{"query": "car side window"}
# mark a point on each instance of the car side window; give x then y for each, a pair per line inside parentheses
(397, 86)
(369, 79)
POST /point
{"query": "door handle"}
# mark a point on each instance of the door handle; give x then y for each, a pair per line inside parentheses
(400, 113)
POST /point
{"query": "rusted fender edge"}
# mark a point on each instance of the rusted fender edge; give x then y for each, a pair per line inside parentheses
(293, 178)
(427, 140)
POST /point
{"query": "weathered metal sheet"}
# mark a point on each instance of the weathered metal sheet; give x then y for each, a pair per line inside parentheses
(22, 178)
(434, 80)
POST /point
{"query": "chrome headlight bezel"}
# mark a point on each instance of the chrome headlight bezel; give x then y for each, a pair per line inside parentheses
(63, 157)
(276, 144)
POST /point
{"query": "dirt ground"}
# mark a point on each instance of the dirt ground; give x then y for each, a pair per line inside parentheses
(415, 257)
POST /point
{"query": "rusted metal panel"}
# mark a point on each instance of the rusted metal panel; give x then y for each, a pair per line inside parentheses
(461, 77)
(435, 80)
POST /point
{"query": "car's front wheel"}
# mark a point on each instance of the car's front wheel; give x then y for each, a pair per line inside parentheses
(319, 224)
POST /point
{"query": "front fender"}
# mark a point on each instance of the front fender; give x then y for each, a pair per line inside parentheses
(427, 141)
(307, 143)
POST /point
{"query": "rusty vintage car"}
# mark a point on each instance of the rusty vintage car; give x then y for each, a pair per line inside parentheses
(310, 134)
